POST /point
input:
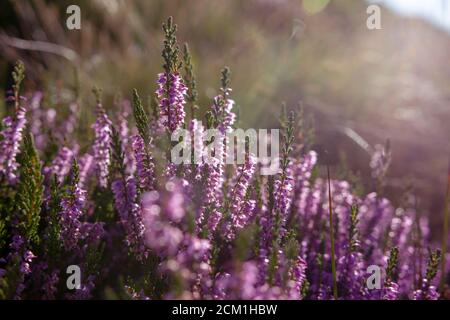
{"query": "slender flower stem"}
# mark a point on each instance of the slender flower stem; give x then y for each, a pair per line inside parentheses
(445, 233)
(333, 258)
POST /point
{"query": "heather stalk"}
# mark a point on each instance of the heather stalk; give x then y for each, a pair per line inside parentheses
(52, 243)
(353, 229)
(283, 185)
(102, 143)
(427, 290)
(171, 89)
(72, 205)
(141, 118)
(18, 76)
(125, 196)
(333, 258)
(12, 129)
(144, 162)
(390, 291)
(30, 192)
(391, 264)
(433, 263)
(191, 82)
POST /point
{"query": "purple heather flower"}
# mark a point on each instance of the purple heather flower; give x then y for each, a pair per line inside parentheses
(102, 145)
(283, 192)
(429, 293)
(122, 120)
(130, 215)
(213, 192)
(72, 206)
(240, 284)
(46, 279)
(28, 257)
(161, 213)
(376, 214)
(61, 164)
(23, 257)
(37, 118)
(221, 108)
(85, 164)
(144, 164)
(191, 264)
(92, 232)
(51, 285)
(351, 276)
(197, 136)
(171, 93)
(175, 209)
(126, 137)
(296, 278)
(241, 208)
(390, 291)
(12, 136)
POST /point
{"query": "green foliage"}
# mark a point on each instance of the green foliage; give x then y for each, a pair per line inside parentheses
(270, 191)
(291, 250)
(29, 191)
(3, 233)
(75, 175)
(287, 122)
(171, 49)
(433, 264)
(189, 77)
(210, 120)
(292, 246)
(52, 243)
(213, 119)
(153, 107)
(244, 242)
(353, 228)
(392, 264)
(12, 277)
(94, 256)
(225, 79)
(305, 288)
(140, 116)
(273, 264)
(118, 163)
(18, 75)
(6, 211)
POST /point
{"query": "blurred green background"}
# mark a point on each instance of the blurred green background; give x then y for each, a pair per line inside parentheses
(389, 83)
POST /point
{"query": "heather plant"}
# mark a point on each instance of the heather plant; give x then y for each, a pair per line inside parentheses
(139, 226)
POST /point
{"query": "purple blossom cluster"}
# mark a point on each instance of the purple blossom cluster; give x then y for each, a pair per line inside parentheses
(101, 146)
(11, 134)
(191, 226)
(171, 93)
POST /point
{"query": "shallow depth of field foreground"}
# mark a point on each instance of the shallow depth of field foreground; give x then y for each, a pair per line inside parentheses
(92, 205)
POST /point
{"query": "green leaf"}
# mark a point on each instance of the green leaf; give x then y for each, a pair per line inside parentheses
(30, 191)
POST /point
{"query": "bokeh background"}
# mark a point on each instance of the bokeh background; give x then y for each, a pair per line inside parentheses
(356, 83)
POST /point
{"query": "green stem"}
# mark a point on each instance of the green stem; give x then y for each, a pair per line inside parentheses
(333, 258)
